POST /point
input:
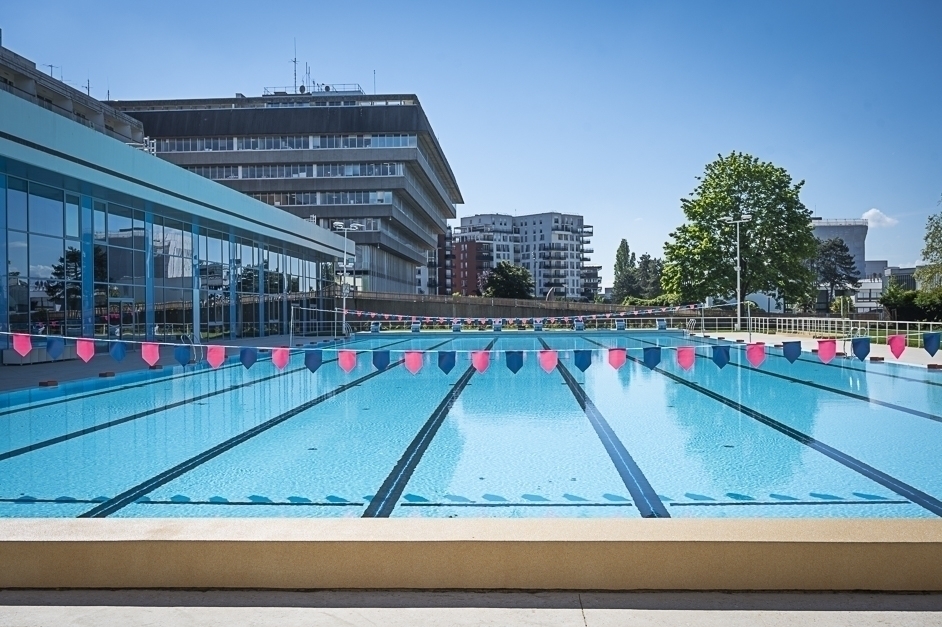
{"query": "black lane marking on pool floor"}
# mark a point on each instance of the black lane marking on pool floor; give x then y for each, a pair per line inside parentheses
(148, 412)
(818, 386)
(129, 496)
(843, 365)
(517, 504)
(385, 499)
(889, 482)
(649, 505)
(161, 377)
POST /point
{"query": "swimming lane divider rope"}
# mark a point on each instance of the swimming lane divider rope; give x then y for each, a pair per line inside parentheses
(927, 501)
(825, 388)
(129, 496)
(160, 378)
(386, 498)
(645, 498)
(843, 365)
(142, 414)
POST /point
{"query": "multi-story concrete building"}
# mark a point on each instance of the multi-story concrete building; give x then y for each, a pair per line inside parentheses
(101, 238)
(326, 154)
(552, 246)
(853, 232)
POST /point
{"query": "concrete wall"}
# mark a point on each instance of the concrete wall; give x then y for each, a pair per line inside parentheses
(613, 554)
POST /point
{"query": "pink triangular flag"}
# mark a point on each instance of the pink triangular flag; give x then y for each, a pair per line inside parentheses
(827, 349)
(347, 360)
(897, 344)
(150, 353)
(413, 361)
(22, 344)
(548, 360)
(755, 353)
(279, 357)
(85, 349)
(686, 356)
(480, 360)
(215, 355)
(617, 357)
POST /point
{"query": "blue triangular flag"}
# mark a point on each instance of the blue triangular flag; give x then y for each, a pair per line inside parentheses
(791, 351)
(182, 354)
(54, 346)
(583, 359)
(118, 350)
(313, 360)
(861, 347)
(720, 355)
(514, 361)
(446, 361)
(380, 359)
(931, 342)
(248, 356)
(652, 356)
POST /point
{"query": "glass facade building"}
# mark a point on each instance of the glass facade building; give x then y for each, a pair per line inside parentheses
(99, 238)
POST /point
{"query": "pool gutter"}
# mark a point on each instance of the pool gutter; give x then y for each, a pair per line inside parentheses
(674, 554)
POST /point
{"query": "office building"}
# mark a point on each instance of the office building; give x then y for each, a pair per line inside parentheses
(324, 153)
(98, 237)
(552, 246)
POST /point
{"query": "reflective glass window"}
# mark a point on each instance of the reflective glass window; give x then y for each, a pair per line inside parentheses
(100, 227)
(17, 249)
(44, 254)
(16, 204)
(45, 209)
(72, 216)
(120, 226)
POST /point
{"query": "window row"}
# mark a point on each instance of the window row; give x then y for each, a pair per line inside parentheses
(296, 199)
(287, 171)
(287, 142)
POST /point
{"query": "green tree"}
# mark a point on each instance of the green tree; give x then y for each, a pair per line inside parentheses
(835, 267)
(649, 276)
(625, 283)
(777, 244)
(843, 305)
(509, 281)
(931, 272)
(899, 302)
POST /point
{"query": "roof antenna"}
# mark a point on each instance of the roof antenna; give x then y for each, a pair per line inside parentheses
(295, 61)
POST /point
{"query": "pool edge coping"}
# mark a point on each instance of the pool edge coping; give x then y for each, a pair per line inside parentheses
(674, 554)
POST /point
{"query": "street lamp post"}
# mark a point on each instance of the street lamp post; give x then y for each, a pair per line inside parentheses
(742, 218)
(340, 226)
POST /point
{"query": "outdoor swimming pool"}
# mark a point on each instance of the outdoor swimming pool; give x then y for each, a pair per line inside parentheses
(845, 439)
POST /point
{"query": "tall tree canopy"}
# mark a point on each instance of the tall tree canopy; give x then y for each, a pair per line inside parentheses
(931, 272)
(649, 276)
(625, 282)
(777, 244)
(509, 281)
(835, 266)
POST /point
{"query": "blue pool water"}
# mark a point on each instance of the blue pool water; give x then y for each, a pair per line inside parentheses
(848, 439)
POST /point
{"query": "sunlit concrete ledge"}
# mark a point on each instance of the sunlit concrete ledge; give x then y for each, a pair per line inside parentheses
(854, 554)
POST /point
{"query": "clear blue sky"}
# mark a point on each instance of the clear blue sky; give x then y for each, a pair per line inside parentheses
(605, 109)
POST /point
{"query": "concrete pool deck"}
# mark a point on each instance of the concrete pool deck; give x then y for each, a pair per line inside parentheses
(522, 554)
(263, 608)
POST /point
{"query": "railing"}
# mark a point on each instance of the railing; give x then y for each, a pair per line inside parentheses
(876, 330)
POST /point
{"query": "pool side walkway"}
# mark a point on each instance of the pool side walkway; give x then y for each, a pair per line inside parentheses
(13, 377)
(133, 608)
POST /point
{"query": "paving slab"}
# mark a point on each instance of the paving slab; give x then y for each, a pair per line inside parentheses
(133, 608)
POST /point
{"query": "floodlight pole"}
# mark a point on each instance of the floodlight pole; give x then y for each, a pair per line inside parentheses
(731, 220)
(340, 226)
